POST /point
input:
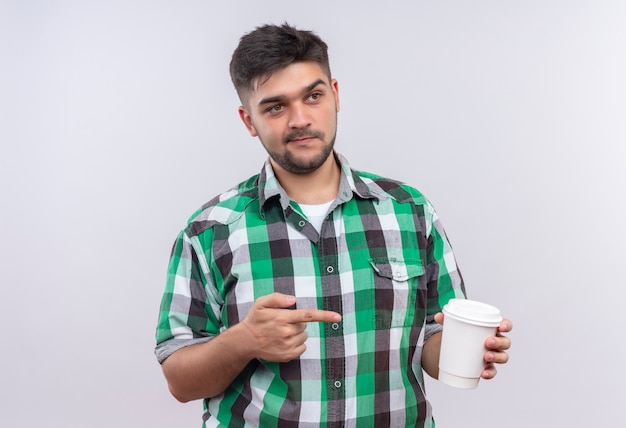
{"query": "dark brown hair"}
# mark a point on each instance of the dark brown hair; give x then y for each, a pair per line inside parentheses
(270, 48)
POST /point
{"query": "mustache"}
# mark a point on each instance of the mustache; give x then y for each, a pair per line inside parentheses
(302, 133)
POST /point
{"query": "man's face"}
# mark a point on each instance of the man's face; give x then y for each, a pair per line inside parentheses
(294, 114)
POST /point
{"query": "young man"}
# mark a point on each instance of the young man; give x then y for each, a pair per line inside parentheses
(311, 293)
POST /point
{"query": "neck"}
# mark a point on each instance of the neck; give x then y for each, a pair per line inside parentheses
(312, 188)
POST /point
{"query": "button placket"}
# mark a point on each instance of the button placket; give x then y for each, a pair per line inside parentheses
(329, 262)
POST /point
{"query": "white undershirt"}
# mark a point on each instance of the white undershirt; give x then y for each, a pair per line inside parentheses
(316, 213)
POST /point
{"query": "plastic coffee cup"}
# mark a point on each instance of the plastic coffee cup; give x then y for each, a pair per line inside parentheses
(466, 326)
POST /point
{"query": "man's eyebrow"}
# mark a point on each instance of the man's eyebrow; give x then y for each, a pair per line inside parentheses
(313, 85)
(280, 98)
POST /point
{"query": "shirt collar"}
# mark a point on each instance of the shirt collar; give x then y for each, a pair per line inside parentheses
(350, 185)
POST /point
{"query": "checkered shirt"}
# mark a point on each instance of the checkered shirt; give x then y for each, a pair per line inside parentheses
(382, 260)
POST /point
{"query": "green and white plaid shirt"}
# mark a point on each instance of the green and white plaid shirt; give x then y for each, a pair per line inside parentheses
(382, 260)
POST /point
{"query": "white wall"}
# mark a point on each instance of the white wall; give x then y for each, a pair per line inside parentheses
(117, 120)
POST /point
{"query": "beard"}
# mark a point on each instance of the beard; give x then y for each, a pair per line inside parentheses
(294, 164)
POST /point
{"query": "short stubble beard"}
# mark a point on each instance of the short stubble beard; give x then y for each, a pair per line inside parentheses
(293, 164)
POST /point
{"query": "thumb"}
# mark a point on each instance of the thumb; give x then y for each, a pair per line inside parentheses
(439, 317)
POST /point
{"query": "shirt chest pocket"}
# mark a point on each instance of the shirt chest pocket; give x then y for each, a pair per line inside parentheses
(398, 286)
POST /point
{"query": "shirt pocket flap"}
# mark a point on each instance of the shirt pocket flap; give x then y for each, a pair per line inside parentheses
(397, 270)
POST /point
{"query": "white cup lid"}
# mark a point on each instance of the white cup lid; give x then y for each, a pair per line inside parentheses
(473, 312)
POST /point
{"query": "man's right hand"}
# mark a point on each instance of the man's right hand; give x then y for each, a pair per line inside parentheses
(278, 333)
(270, 331)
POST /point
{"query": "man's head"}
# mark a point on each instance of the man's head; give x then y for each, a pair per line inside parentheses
(270, 48)
(289, 101)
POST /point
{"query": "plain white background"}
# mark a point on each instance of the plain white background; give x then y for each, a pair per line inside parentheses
(118, 120)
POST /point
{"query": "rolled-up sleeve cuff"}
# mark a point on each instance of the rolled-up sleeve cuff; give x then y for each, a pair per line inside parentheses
(430, 329)
(167, 348)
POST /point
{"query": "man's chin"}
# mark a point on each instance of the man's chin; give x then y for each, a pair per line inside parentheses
(300, 165)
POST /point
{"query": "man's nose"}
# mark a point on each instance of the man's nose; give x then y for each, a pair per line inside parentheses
(299, 117)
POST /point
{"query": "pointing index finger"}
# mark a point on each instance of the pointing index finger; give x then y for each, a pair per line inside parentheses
(312, 315)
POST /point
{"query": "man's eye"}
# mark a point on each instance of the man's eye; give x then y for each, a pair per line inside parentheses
(315, 96)
(276, 109)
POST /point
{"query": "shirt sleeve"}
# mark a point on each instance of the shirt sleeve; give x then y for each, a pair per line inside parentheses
(444, 277)
(188, 314)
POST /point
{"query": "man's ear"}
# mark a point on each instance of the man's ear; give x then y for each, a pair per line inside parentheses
(247, 121)
(335, 86)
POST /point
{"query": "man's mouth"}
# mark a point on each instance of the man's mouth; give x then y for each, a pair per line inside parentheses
(301, 138)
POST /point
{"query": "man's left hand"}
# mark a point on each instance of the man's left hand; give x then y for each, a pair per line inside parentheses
(496, 349)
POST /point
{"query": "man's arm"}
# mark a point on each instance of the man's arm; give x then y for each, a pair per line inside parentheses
(205, 370)
(270, 331)
(430, 355)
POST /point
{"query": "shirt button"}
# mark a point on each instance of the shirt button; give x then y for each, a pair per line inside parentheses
(334, 326)
(301, 223)
(337, 384)
(330, 269)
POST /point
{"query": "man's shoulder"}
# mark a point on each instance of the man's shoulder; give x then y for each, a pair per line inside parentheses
(394, 189)
(226, 207)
